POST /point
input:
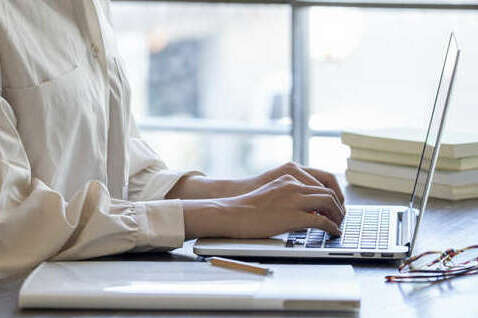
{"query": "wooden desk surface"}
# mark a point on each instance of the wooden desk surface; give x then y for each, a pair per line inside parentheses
(446, 224)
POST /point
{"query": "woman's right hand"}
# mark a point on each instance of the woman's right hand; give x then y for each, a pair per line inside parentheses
(280, 206)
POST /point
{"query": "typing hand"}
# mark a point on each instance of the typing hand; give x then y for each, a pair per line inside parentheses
(201, 187)
(305, 175)
(279, 206)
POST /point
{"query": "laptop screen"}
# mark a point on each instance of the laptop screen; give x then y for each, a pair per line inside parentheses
(431, 146)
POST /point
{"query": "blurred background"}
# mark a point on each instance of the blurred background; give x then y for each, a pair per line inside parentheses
(212, 82)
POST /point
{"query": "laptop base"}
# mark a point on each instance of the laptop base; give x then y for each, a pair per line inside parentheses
(280, 246)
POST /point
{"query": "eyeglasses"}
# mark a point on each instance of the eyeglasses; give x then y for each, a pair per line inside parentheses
(436, 266)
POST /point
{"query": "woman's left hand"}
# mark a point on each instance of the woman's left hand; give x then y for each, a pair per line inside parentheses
(198, 187)
(305, 175)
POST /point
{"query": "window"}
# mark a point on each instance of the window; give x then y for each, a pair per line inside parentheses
(235, 88)
(210, 82)
(377, 68)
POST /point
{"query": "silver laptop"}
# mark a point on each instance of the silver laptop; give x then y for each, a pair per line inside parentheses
(383, 232)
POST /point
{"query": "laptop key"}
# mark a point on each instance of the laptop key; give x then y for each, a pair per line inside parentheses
(313, 245)
(289, 243)
(368, 243)
(314, 237)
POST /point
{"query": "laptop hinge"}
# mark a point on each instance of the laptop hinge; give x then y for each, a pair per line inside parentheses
(407, 225)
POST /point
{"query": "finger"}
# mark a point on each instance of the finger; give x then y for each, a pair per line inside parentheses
(307, 179)
(328, 215)
(321, 222)
(325, 204)
(328, 180)
(323, 190)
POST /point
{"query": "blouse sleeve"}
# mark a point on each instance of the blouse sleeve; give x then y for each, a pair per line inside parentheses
(37, 223)
(149, 181)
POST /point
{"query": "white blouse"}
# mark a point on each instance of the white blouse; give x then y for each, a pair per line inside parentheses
(76, 179)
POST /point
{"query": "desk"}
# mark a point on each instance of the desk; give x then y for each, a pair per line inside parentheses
(447, 224)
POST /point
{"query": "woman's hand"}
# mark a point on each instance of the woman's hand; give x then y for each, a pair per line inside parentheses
(305, 175)
(197, 187)
(282, 205)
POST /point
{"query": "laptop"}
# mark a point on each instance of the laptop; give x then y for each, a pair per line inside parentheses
(380, 232)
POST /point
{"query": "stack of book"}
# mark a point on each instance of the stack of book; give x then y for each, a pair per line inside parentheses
(388, 160)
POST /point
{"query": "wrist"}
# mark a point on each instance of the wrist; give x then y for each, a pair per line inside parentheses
(205, 218)
(200, 187)
(236, 187)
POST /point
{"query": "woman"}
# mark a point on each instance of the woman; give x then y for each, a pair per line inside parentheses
(77, 181)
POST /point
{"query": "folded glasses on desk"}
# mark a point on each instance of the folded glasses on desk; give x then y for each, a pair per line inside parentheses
(435, 266)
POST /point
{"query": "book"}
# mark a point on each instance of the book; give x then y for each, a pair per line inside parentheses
(453, 178)
(403, 185)
(412, 160)
(410, 141)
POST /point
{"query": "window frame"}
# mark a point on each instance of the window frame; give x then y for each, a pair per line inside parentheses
(299, 129)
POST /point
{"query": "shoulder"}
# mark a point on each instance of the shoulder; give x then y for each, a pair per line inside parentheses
(15, 15)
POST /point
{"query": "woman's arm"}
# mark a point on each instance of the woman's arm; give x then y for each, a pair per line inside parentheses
(38, 223)
(277, 201)
(200, 187)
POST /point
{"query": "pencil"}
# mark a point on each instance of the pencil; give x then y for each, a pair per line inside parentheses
(240, 266)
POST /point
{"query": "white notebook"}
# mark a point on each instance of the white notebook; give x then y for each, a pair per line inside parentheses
(189, 286)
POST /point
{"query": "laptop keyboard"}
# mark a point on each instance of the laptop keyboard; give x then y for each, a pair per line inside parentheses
(366, 228)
